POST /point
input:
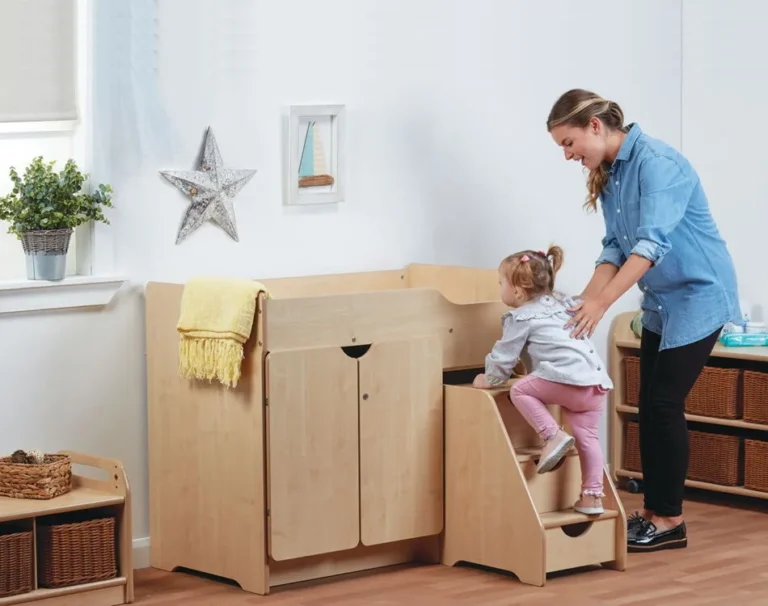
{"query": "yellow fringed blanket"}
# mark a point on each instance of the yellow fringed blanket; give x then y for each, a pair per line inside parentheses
(216, 319)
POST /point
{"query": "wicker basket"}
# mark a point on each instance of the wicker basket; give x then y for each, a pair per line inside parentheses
(632, 447)
(632, 380)
(50, 479)
(715, 394)
(756, 465)
(755, 397)
(16, 562)
(76, 553)
(715, 458)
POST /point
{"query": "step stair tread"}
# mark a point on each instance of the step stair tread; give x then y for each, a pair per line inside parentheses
(557, 519)
(532, 453)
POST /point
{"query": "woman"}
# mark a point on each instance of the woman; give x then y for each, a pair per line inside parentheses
(659, 234)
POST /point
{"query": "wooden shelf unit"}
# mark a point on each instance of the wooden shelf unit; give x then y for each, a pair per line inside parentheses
(624, 343)
(88, 493)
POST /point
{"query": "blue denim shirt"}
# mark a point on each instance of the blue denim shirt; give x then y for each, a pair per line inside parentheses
(654, 206)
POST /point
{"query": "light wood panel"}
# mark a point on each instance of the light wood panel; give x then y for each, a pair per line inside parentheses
(617, 394)
(594, 546)
(360, 558)
(560, 519)
(623, 336)
(553, 492)
(467, 332)
(336, 284)
(206, 456)
(459, 285)
(489, 516)
(401, 440)
(313, 452)
(84, 498)
(737, 423)
(102, 593)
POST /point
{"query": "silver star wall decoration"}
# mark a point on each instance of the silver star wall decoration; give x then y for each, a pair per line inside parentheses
(211, 189)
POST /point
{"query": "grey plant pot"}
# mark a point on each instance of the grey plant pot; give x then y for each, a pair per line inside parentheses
(46, 252)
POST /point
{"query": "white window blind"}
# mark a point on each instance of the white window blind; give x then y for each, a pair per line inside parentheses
(37, 72)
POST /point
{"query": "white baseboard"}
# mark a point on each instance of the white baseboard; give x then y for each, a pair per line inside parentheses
(141, 553)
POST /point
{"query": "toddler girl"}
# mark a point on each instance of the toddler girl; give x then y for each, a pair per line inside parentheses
(566, 371)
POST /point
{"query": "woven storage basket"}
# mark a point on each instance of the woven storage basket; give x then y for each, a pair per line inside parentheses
(632, 380)
(715, 394)
(29, 481)
(16, 563)
(755, 397)
(756, 465)
(632, 447)
(76, 553)
(715, 458)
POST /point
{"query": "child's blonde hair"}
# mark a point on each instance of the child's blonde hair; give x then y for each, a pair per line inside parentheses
(533, 271)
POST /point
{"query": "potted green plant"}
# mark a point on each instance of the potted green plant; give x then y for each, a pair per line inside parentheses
(43, 209)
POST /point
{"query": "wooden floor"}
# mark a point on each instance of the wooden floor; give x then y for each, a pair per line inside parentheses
(726, 562)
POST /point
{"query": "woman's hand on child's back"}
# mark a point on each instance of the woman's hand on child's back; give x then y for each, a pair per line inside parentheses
(586, 316)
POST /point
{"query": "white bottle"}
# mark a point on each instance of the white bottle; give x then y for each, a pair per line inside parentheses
(745, 315)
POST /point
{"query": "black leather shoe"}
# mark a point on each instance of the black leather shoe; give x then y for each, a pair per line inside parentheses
(634, 521)
(646, 537)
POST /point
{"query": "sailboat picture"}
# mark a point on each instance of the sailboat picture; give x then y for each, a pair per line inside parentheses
(313, 170)
(315, 163)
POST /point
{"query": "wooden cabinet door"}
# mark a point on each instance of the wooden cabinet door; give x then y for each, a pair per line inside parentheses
(401, 440)
(312, 452)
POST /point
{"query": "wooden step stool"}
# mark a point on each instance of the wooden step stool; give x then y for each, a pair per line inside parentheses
(500, 513)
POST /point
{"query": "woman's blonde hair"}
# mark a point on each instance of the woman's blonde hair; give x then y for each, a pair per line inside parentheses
(533, 271)
(576, 108)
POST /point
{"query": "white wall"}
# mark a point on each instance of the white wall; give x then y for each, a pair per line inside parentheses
(725, 96)
(449, 160)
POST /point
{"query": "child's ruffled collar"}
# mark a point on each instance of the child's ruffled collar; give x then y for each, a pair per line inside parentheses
(543, 307)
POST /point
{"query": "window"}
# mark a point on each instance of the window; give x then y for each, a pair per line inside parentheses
(48, 113)
(39, 83)
(18, 149)
(42, 89)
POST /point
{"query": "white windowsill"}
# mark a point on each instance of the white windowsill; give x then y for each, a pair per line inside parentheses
(28, 128)
(73, 291)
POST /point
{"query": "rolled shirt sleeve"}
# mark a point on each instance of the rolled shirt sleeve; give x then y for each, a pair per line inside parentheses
(611, 252)
(505, 354)
(665, 190)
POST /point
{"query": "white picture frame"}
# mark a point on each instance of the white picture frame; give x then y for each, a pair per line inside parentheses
(316, 160)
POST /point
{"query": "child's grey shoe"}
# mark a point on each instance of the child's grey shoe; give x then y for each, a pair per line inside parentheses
(555, 448)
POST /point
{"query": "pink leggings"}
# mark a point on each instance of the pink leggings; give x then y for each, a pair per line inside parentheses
(582, 408)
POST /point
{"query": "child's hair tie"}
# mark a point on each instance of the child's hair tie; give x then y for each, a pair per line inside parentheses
(525, 258)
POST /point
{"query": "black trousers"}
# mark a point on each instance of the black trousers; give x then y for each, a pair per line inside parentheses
(666, 378)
